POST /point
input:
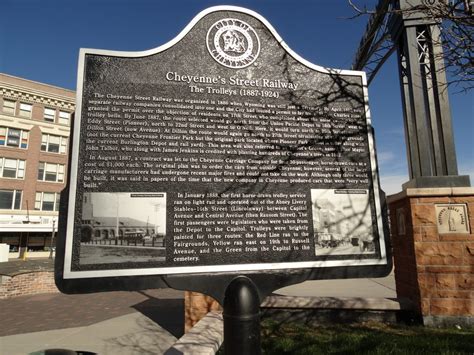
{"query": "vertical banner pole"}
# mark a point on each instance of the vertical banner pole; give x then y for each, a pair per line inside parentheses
(241, 318)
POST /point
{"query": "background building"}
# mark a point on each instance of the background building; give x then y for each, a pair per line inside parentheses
(110, 227)
(35, 123)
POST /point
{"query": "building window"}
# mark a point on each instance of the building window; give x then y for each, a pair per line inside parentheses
(51, 172)
(64, 117)
(25, 110)
(47, 201)
(12, 168)
(10, 199)
(53, 144)
(9, 106)
(12, 137)
(49, 114)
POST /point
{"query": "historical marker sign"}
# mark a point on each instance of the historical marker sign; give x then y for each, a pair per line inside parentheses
(220, 151)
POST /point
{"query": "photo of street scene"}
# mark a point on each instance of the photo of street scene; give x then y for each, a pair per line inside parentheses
(342, 222)
(119, 227)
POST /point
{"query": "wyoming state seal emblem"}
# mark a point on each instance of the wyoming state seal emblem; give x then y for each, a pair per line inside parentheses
(233, 43)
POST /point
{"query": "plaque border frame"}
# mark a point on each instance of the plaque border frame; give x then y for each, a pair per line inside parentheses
(367, 264)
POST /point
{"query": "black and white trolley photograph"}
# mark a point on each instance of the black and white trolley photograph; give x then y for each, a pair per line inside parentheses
(119, 227)
(342, 222)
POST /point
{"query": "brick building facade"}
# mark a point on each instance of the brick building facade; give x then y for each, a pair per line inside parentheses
(35, 123)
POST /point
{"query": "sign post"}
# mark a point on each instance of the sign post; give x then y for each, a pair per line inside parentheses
(241, 317)
(219, 157)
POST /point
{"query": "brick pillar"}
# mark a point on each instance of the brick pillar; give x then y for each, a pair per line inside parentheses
(433, 248)
(196, 306)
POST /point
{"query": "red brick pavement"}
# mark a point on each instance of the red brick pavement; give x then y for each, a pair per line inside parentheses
(35, 313)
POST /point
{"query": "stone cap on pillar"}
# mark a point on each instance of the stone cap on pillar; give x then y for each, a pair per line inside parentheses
(438, 182)
(433, 191)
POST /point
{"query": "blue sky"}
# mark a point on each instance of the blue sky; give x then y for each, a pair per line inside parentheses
(40, 40)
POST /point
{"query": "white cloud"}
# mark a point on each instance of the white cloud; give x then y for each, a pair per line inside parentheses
(467, 169)
(392, 184)
(385, 157)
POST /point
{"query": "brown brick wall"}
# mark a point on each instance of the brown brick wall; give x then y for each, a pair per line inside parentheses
(435, 271)
(28, 284)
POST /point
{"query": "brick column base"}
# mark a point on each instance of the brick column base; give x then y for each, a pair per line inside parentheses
(196, 306)
(31, 283)
(432, 234)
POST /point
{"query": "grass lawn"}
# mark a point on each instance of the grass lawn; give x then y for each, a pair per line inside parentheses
(368, 338)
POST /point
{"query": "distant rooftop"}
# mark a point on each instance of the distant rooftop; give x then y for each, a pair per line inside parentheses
(35, 85)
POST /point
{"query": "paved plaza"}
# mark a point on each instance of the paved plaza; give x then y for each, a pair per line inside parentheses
(145, 322)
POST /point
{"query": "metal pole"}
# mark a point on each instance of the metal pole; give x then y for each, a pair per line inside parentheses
(117, 219)
(241, 318)
(52, 243)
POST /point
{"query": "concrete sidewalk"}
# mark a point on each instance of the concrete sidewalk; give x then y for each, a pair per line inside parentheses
(380, 287)
(146, 322)
(133, 333)
(371, 288)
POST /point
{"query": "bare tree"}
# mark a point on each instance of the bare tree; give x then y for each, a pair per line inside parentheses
(455, 21)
